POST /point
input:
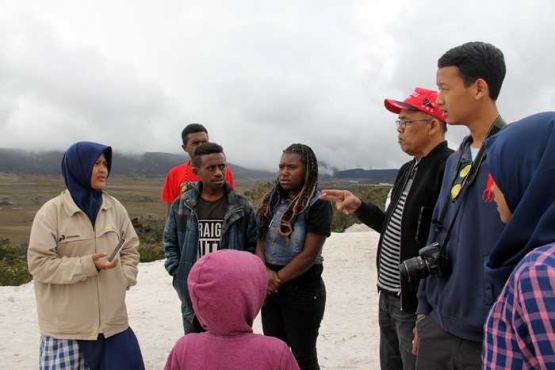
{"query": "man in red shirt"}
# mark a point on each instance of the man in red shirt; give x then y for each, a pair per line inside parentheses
(180, 178)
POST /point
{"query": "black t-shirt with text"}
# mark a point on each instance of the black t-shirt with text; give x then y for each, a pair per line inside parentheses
(210, 220)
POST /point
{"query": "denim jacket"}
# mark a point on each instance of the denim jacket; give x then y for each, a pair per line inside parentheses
(239, 231)
(280, 250)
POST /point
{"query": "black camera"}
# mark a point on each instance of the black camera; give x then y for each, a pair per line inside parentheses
(430, 261)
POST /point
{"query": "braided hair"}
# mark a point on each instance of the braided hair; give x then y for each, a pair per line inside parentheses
(298, 204)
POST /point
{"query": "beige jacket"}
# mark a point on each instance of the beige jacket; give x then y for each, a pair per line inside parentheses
(74, 300)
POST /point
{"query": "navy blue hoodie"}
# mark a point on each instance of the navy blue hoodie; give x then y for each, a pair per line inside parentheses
(522, 164)
(460, 302)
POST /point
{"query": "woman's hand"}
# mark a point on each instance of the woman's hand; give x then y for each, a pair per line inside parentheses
(103, 264)
(274, 282)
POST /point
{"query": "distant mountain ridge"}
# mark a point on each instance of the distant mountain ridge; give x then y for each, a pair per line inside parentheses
(386, 176)
(154, 164)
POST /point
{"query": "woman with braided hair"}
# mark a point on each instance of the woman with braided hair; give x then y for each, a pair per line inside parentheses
(293, 226)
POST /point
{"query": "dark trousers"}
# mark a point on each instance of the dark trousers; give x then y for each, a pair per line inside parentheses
(120, 351)
(188, 326)
(395, 334)
(294, 315)
(439, 350)
(192, 326)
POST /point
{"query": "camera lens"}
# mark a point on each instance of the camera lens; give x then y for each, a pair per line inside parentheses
(413, 269)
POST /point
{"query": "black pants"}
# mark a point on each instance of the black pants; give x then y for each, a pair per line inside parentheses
(439, 350)
(294, 315)
(192, 326)
(188, 326)
(395, 334)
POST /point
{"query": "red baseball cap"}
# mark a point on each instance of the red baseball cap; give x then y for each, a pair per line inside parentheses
(421, 99)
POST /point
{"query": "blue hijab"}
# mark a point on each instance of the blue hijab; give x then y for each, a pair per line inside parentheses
(77, 166)
(522, 163)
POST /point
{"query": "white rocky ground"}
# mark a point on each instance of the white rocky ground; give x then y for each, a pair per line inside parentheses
(349, 335)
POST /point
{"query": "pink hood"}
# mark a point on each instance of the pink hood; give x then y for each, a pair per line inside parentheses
(227, 289)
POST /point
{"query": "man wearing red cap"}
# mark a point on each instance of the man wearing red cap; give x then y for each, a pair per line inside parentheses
(404, 226)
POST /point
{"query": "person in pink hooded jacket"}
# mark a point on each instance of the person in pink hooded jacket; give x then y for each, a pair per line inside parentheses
(227, 289)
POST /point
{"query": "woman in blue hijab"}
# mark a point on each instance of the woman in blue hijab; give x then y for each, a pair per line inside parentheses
(520, 329)
(80, 290)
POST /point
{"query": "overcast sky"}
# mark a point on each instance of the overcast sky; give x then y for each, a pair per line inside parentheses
(259, 74)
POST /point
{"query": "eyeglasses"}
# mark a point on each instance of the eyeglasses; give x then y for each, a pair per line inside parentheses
(402, 123)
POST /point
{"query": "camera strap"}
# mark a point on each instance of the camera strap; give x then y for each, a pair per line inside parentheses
(465, 175)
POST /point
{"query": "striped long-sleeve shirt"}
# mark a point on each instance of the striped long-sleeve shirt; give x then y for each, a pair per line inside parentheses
(520, 329)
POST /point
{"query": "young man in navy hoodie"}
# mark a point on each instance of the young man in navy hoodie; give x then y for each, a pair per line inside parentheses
(453, 303)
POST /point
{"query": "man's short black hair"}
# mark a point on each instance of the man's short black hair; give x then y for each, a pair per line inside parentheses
(192, 128)
(477, 60)
(205, 149)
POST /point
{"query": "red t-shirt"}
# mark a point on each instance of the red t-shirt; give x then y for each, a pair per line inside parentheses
(181, 177)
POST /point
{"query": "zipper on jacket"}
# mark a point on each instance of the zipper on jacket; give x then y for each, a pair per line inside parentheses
(98, 276)
(226, 218)
(397, 199)
(227, 224)
(194, 214)
(412, 175)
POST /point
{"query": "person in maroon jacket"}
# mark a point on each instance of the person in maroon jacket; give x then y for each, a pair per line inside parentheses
(228, 288)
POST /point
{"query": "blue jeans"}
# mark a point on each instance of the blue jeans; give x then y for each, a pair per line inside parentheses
(294, 315)
(395, 334)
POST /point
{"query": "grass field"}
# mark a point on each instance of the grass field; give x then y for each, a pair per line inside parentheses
(22, 196)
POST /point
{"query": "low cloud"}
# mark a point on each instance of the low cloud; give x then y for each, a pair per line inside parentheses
(260, 76)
